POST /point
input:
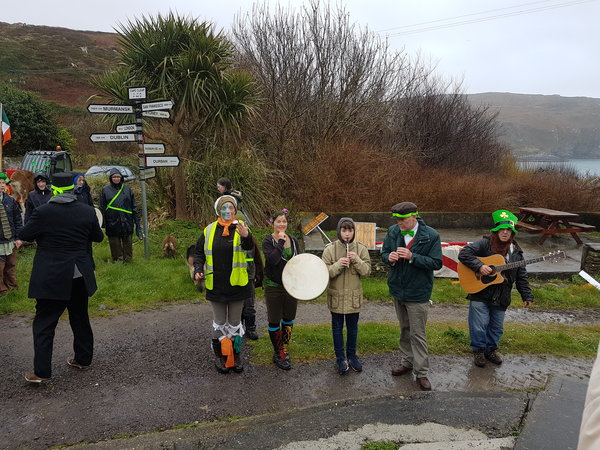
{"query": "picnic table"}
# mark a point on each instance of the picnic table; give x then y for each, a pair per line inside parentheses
(549, 221)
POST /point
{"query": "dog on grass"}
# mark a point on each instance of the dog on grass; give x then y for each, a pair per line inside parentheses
(170, 246)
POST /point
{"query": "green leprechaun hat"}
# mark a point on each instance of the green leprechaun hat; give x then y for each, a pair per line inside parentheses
(504, 219)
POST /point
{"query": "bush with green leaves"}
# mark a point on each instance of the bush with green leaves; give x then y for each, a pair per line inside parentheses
(33, 125)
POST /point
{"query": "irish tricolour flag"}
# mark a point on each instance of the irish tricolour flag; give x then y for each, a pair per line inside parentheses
(5, 127)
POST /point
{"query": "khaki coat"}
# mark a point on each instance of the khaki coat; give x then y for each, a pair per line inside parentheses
(345, 294)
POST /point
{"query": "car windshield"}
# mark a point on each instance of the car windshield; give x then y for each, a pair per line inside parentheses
(104, 170)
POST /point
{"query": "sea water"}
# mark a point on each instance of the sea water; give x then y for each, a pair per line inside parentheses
(586, 167)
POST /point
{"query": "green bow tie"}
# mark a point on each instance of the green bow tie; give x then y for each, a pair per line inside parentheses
(411, 233)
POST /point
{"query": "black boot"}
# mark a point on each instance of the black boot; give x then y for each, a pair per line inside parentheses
(237, 355)
(239, 365)
(278, 355)
(250, 327)
(219, 358)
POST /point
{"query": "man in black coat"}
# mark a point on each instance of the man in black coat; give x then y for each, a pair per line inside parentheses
(63, 274)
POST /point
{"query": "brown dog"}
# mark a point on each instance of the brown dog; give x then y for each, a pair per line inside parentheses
(170, 246)
(22, 183)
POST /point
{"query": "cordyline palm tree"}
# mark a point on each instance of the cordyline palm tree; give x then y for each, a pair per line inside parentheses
(182, 60)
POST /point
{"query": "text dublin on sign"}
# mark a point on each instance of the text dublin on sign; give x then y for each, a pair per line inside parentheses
(113, 137)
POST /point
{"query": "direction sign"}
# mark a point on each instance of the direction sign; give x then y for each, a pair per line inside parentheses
(137, 93)
(154, 149)
(112, 137)
(162, 161)
(129, 128)
(157, 114)
(110, 109)
(153, 106)
(147, 173)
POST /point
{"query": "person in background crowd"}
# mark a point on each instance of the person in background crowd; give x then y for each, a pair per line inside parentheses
(413, 251)
(82, 189)
(278, 248)
(220, 259)
(347, 261)
(224, 188)
(488, 306)
(10, 224)
(255, 275)
(62, 276)
(39, 196)
(119, 212)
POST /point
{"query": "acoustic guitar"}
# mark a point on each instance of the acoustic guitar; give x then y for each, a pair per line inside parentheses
(473, 282)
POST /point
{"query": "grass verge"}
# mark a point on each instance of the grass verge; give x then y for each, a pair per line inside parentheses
(314, 342)
(148, 283)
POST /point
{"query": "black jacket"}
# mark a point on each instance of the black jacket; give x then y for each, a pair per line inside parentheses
(222, 250)
(118, 223)
(497, 294)
(13, 213)
(35, 199)
(84, 194)
(274, 262)
(63, 232)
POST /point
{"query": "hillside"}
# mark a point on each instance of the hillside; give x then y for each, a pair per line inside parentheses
(567, 127)
(58, 63)
(55, 62)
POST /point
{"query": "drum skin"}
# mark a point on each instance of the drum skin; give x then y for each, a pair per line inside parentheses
(99, 216)
(305, 276)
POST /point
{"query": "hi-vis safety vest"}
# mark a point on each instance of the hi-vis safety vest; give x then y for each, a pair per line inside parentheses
(239, 269)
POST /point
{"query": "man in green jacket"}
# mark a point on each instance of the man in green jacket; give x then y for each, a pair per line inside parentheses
(413, 251)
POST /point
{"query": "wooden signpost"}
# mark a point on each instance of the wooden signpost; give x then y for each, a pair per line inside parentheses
(134, 132)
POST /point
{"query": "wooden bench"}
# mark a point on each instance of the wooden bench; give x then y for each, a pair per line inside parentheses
(583, 226)
(547, 222)
(532, 228)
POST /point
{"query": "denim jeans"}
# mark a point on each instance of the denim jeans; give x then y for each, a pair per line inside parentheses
(486, 323)
(337, 327)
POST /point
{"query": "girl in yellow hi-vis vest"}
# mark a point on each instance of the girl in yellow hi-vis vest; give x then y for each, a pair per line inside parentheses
(221, 261)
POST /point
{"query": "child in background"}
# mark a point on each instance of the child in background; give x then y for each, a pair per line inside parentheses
(347, 261)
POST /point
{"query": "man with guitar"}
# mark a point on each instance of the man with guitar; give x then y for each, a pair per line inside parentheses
(488, 305)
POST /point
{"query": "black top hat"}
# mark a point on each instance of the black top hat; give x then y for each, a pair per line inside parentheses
(63, 180)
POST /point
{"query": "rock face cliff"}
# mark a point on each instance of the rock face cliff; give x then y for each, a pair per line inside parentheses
(565, 127)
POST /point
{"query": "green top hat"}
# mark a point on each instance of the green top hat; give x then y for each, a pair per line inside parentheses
(504, 219)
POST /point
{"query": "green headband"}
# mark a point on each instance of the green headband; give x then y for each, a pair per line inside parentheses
(403, 216)
(61, 190)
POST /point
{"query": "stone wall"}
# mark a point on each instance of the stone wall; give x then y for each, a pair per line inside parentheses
(590, 259)
(378, 267)
(434, 219)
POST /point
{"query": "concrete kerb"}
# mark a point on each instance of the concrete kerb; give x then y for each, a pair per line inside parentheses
(433, 418)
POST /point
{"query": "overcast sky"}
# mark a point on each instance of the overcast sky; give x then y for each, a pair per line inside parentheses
(520, 46)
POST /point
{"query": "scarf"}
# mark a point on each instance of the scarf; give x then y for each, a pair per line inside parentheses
(4, 219)
(225, 224)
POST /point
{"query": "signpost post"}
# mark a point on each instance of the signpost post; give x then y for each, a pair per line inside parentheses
(133, 133)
